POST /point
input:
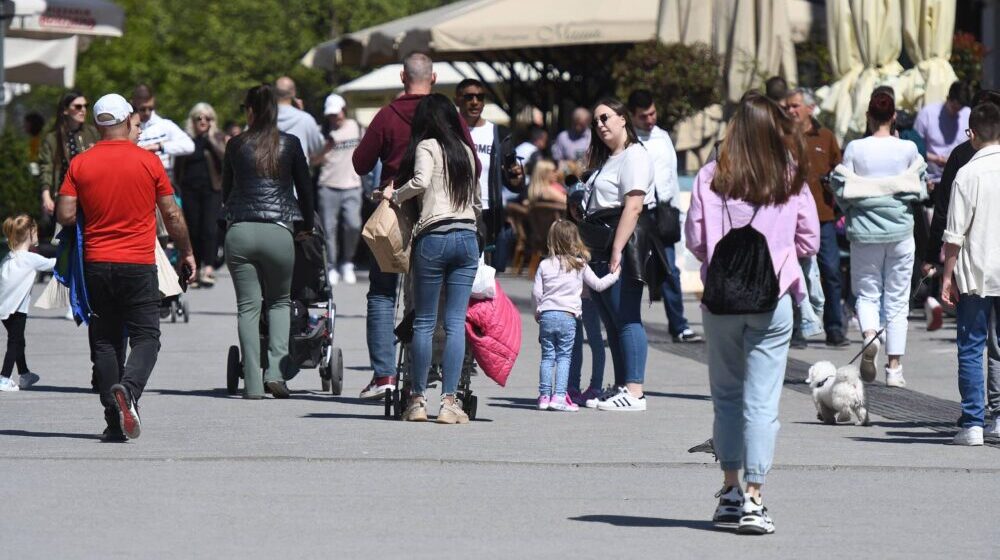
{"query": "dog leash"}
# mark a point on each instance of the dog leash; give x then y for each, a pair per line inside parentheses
(898, 313)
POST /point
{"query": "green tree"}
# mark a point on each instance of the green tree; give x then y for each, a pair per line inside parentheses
(18, 192)
(684, 79)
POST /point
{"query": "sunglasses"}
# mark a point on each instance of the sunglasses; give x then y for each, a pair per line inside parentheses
(203, 118)
(602, 119)
(476, 96)
(78, 106)
(149, 109)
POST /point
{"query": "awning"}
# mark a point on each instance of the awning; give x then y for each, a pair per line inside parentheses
(45, 18)
(40, 62)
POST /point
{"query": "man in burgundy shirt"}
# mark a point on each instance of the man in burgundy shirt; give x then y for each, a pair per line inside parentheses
(386, 139)
(115, 190)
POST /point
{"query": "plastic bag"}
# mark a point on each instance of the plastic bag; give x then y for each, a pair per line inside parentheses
(484, 286)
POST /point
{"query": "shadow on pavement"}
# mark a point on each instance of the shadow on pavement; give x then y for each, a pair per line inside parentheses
(514, 402)
(23, 433)
(925, 440)
(330, 415)
(57, 389)
(635, 521)
(686, 396)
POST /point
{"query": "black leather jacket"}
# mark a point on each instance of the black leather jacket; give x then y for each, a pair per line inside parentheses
(249, 197)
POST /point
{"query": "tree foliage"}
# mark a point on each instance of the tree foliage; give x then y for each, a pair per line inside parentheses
(18, 192)
(684, 79)
(213, 50)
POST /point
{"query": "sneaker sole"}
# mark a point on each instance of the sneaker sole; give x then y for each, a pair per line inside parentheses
(622, 409)
(130, 424)
(867, 367)
(936, 320)
(372, 396)
(728, 525)
(277, 389)
(753, 530)
(451, 421)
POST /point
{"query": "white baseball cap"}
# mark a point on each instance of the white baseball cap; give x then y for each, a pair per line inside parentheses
(334, 105)
(111, 109)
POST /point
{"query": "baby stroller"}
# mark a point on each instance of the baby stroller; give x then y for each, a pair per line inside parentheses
(395, 401)
(314, 316)
(173, 307)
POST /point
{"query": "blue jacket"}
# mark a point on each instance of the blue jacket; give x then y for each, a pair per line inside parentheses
(69, 270)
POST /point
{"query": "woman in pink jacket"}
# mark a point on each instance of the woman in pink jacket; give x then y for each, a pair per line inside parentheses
(759, 176)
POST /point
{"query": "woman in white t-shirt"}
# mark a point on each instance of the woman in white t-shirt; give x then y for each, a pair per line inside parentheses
(880, 179)
(619, 191)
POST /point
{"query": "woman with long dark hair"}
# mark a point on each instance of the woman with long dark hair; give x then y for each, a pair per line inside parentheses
(619, 194)
(199, 178)
(440, 170)
(880, 219)
(71, 135)
(258, 173)
(757, 181)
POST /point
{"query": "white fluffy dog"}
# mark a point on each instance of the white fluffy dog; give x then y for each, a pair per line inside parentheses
(838, 393)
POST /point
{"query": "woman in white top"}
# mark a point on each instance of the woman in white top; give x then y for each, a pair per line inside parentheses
(880, 178)
(619, 190)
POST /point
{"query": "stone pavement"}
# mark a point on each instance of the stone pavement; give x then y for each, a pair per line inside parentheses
(319, 476)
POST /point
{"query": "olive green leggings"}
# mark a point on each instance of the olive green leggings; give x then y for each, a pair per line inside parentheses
(260, 257)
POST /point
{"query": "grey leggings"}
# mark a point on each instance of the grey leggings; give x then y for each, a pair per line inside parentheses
(340, 209)
(260, 257)
(993, 368)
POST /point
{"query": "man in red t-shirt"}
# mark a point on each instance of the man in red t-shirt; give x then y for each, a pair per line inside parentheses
(116, 190)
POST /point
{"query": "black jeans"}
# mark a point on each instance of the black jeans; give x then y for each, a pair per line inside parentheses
(201, 212)
(124, 298)
(15, 344)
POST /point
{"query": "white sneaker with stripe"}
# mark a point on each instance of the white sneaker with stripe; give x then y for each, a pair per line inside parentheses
(623, 402)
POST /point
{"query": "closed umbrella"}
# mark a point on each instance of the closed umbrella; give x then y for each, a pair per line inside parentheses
(928, 26)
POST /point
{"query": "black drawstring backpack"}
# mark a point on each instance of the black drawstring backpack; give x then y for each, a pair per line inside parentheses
(740, 278)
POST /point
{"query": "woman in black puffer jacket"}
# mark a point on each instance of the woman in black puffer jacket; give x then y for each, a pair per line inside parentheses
(258, 173)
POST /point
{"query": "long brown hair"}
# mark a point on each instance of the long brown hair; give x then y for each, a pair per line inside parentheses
(61, 127)
(599, 151)
(763, 158)
(566, 245)
(263, 135)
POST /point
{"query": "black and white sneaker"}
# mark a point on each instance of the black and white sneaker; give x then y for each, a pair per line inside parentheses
(687, 335)
(624, 401)
(755, 520)
(607, 393)
(730, 509)
(128, 411)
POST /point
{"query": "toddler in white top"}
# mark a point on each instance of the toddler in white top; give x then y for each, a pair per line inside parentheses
(17, 275)
(557, 291)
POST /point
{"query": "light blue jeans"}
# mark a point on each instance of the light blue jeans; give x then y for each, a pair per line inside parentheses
(556, 333)
(811, 309)
(441, 259)
(747, 355)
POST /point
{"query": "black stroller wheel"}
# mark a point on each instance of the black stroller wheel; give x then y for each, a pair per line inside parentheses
(469, 405)
(184, 311)
(400, 398)
(234, 370)
(388, 403)
(173, 312)
(335, 371)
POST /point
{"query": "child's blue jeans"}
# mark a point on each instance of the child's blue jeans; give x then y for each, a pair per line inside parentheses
(556, 333)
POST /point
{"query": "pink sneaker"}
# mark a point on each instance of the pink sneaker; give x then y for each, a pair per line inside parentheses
(563, 403)
(543, 402)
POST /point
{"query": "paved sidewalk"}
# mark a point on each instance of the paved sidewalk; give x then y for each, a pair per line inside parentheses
(321, 476)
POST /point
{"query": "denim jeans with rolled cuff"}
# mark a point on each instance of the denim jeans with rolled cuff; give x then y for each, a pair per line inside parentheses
(620, 307)
(556, 334)
(379, 321)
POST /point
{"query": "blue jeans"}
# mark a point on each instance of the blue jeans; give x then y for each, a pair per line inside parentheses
(828, 260)
(556, 332)
(673, 298)
(972, 317)
(621, 310)
(747, 355)
(379, 321)
(809, 323)
(450, 258)
(591, 324)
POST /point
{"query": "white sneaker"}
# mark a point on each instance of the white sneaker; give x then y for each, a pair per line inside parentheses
(606, 394)
(992, 428)
(868, 358)
(894, 377)
(730, 509)
(7, 385)
(347, 273)
(333, 277)
(973, 435)
(755, 520)
(623, 402)
(934, 314)
(26, 380)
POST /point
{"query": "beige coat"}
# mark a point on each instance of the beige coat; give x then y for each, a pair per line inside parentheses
(430, 183)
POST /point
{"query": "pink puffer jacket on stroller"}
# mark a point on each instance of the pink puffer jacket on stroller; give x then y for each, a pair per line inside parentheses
(493, 330)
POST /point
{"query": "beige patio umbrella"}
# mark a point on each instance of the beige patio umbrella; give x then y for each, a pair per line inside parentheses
(928, 26)
(754, 39)
(865, 42)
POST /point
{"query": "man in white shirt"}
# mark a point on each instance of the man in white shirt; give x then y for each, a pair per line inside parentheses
(571, 145)
(293, 120)
(661, 150)
(501, 172)
(157, 134)
(528, 151)
(942, 126)
(973, 257)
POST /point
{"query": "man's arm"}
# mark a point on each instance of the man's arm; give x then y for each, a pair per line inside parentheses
(178, 143)
(66, 210)
(177, 228)
(368, 151)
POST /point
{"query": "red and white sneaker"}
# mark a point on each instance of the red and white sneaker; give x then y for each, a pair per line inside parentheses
(935, 314)
(128, 412)
(377, 387)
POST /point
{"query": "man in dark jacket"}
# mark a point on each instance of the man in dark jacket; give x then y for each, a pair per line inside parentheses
(386, 140)
(501, 170)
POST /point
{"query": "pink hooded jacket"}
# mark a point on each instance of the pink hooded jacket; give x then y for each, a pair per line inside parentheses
(493, 329)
